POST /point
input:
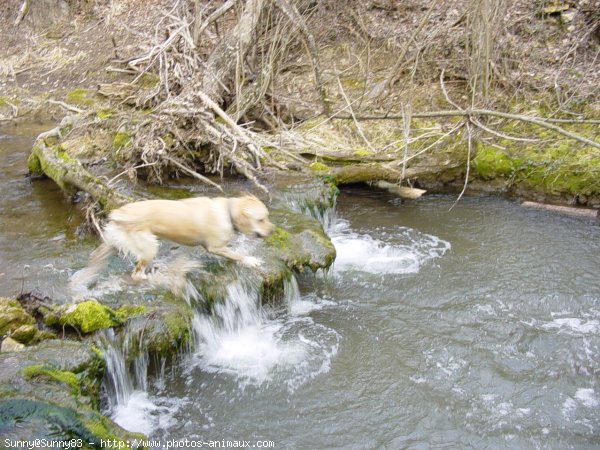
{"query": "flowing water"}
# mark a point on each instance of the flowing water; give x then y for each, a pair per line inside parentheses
(38, 242)
(475, 328)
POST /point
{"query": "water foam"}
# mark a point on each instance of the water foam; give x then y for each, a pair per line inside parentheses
(143, 414)
(573, 325)
(403, 251)
(239, 339)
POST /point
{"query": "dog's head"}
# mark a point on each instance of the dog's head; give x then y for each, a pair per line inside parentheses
(250, 216)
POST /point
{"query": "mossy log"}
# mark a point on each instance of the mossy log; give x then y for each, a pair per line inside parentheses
(54, 162)
(347, 169)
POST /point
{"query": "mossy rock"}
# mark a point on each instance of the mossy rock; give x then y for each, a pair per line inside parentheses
(34, 165)
(87, 317)
(164, 331)
(300, 241)
(24, 334)
(51, 390)
(319, 168)
(22, 418)
(127, 312)
(59, 371)
(49, 372)
(12, 316)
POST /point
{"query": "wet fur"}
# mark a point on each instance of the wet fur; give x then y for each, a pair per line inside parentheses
(136, 228)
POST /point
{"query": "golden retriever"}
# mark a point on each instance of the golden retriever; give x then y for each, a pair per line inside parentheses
(135, 228)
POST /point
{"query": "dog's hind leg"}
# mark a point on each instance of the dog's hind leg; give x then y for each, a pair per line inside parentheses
(144, 246)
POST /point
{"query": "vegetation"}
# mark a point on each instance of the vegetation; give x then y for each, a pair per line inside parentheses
(278, 90)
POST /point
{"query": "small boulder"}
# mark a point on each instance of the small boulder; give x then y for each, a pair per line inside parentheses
(87, 317)
(10, 345)
(12, 316)
(24, 334)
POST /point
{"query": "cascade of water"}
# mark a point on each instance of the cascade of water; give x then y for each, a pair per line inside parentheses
(121, 379)
(236, 337)
(118, 383)
(256, 346)
(303, 204)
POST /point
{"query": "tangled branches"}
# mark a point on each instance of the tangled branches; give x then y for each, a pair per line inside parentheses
(197, 101)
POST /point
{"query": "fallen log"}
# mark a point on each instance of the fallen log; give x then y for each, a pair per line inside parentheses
(569, 210)
(68, 173)
(400, 191)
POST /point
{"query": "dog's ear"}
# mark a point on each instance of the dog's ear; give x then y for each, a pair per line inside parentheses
(240, 216)
(246, 194)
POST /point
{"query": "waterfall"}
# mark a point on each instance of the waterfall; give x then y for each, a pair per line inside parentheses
(237, 338)
(259, 345)
(310, 206)
(119, 381)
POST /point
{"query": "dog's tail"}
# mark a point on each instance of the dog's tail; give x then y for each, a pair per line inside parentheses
(101, 254)
(81, 279)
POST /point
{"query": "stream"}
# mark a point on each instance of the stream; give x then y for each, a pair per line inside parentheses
(477, 327)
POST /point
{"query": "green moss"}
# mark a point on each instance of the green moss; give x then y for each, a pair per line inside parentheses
(3, 102)
(104, 114)
(126, 312)
(64, 377)
(12, 316)
(33, 165)
(178, 331)
(24, 334)
(492, 163)
(362, 152)
(54, 421)
(168, 139)
(103, 429)
(87, 317)
(318, 167)
(300, 241)
(121, 139)
(279, 238)
(62, 154)
(556, 166)
(80, 97)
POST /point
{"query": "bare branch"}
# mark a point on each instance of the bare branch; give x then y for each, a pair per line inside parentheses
(22, 12)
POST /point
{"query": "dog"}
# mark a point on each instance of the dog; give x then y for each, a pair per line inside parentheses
(135, 228)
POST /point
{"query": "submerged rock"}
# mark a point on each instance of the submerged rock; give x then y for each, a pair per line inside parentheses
(51, 390)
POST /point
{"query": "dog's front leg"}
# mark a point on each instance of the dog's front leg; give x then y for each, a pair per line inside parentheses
(249, 261)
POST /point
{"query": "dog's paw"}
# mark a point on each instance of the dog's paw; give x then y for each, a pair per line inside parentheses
(138, 277)
(251, 261)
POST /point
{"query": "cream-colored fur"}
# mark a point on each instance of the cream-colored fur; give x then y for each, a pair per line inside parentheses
(135, 228)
